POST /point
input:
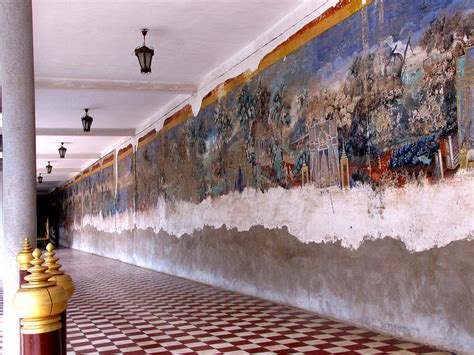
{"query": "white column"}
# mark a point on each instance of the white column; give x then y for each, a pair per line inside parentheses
(19, 150)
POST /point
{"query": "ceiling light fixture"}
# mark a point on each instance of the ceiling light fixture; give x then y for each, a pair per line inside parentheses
(62, 151)
(49, 168)
(87, 121)
(40, 179)
(144, 55)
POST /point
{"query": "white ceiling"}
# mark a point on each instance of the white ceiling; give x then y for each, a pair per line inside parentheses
(61, 108)
(94, 40)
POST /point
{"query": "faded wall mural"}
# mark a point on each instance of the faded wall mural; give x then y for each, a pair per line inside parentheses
(383, 99)
(387, 98)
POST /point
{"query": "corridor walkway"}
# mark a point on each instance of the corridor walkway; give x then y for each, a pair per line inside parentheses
(119, 308)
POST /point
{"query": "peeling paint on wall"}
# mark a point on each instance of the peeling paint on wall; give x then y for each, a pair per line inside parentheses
(416, 215)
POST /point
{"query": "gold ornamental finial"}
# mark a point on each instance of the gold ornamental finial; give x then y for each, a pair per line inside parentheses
(39, 302)
(24, 257)
(51, 261)
(59, 276)
(27, 246)
(38, 276)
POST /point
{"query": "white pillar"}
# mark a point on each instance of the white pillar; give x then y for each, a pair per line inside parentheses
(19, 150)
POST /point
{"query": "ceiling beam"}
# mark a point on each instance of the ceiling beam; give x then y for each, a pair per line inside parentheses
(69, 156)
(60, 170)
(95, 132)
(114, 85)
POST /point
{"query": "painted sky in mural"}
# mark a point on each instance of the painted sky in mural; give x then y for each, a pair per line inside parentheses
(372, 101)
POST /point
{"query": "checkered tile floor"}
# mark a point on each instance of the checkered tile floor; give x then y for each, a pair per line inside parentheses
(119, 308)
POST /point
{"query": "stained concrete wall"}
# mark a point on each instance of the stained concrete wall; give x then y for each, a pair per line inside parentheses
(425, 296)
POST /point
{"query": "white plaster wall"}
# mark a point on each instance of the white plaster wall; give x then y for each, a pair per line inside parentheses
(422, 217)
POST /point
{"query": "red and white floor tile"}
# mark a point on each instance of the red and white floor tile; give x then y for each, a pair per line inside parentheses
(119, 308)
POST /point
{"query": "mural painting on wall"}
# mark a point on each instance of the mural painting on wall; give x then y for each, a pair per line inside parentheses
(125, 196)
(387, 98)
(94, 191)
(382, 98)
(102, 186)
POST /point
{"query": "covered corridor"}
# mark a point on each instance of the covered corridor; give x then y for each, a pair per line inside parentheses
(288, 176)
(121, 308)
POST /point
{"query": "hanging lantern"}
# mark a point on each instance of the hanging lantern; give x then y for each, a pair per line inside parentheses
(49, 168)
(144, 55)
(40, 179)
(87, 121)
(62, 151)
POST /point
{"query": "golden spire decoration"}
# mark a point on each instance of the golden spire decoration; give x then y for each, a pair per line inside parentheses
(24, 257)
(59, 276)
(39, 301)
(51, 261)
(38, 276)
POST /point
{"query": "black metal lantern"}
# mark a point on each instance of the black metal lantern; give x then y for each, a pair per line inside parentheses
(62, 151)
(40, 179)
(144, 55)
(87, 121)
(49, 168)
